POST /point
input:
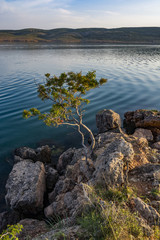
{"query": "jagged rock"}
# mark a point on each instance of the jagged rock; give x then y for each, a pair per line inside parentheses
(67, 204)
(145, 180)
(156, 145)
(147, 212)
(9, 218)
(145, 173)
(19, 159)
(143, 133)
(81, 171)
(107, 120)
(65, 159)
(25, 187)
(43, 154)
(141, 118)
(32, 228)
(62, 186)
(26, 153)
(51, 177)
(68, 233)
(111, 160)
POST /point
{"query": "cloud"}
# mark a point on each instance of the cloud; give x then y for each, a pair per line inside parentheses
(5, 7)
(48, 14)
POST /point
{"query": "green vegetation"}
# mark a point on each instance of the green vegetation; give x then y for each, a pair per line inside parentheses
(11, 232)
(66, 95)
(110, 217)
(144, 35)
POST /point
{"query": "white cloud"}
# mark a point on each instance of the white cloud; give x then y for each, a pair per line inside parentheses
(5, 7)
(50, 14)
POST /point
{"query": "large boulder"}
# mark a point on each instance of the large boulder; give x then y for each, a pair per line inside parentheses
(26, 186)
(107, 120)
(111, 160)
(42, 154)
(25, 153)
(68, 204)
(141, 118)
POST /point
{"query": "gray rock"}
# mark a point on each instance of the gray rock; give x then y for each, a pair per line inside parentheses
(65, 159)
(43, 154)
(25, 187)
(141, 118)
(68, 233)
(111, 160)
(68, 204)
(107, 120)
(32, 228)
(147, 212)
(143, 133)
(26, 153)
(62, 186)
(51, 177)
(145, 173)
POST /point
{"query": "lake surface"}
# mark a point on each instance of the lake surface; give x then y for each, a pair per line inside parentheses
(133, 74)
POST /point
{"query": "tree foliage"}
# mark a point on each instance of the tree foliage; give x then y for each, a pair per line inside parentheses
(11, 232)
(66, 93)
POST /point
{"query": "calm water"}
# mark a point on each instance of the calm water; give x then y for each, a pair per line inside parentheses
(133, 74)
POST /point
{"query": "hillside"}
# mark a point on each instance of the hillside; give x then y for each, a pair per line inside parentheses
(141, 35)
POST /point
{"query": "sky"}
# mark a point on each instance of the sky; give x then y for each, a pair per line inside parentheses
(50, 14)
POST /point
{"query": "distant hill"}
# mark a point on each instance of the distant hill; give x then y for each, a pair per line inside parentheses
(141, 35)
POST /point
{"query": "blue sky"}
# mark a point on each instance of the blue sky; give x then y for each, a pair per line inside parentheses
(49, 14)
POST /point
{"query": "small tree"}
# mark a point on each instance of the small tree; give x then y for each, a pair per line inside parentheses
(66, 94)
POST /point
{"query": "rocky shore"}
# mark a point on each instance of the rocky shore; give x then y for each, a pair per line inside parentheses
(38, 190)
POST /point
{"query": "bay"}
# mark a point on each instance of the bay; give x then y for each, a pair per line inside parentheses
(133, 74)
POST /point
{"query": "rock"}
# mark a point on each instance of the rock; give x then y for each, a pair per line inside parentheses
(51, 177)
(81, 171)
(145, 173)
(67, 204)
(110, 162)
(156, 205)
(62, 186)
(68, 233)
(9, 218)
(25, 187)
(143, 133)
(107, 120)
(26, 153)
(144, 179)
(43, 154)
(156, 145)
(65, 159)
(147, 230)
(141, 118)
(147, 212)
(32, 228)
